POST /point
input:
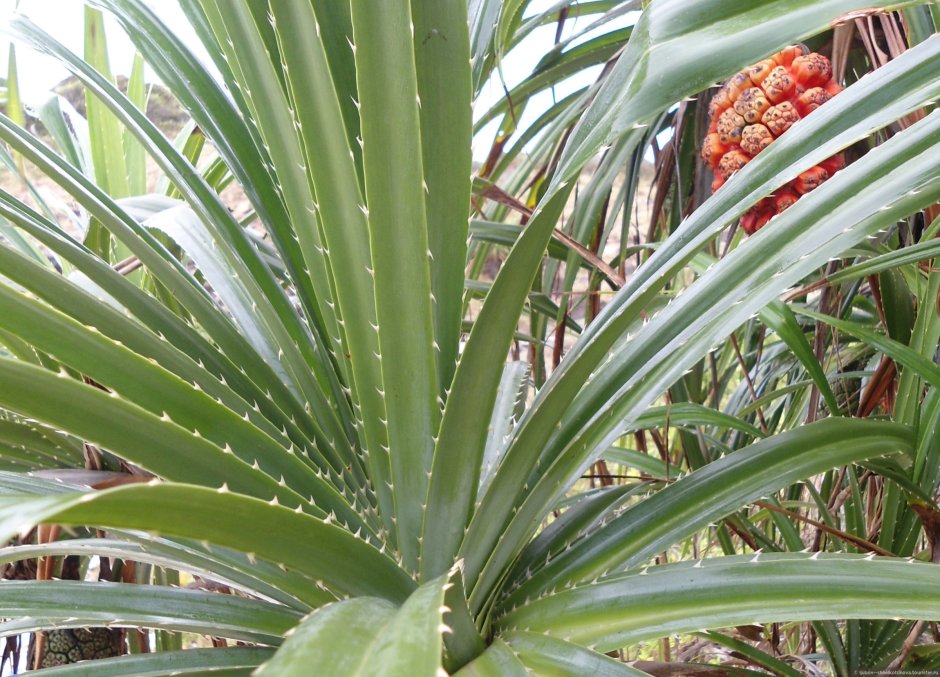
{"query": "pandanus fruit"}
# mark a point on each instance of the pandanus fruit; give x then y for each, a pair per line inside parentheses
(755, 107)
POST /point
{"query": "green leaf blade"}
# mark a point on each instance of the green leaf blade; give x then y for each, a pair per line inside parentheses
(442, 51)
(763, 588)
(394, 176)
(367, 636)
(323, 551)
(40, 604)
(715, 490)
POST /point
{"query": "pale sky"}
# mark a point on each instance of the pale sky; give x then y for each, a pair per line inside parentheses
(63, 19)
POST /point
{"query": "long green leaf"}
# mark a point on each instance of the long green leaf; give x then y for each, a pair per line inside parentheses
(483, 16)
(497, 661)
(442, 48)
(170, 342)
(68, 129)
(108, 421)
(75, 604)
(235, 138)
(39, 441)
(258, 577)
(587, 513)
(134, 157)
(923, 366)
(299, 364)
(107, 147)
(259, 75)
(727, 591)
(233, 662)
(691, 414)
(328, 554)
(135, 379)
(462, 440)
(367, 636)
(510, 396)
(331, 167)
(924, 339)
(552, 656)
(394, 176)
(556, 66)
(712, 492)
(780, 318)
(632, 458)
(921, 251)
(342, 62)
(755, 655)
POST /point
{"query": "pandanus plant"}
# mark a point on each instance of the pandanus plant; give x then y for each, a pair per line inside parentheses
(301, 411)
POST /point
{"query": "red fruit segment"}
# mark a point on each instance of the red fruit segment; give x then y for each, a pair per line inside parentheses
(813, 70)
(748, 220)
(788, 56)
(730, 125)
(784, 198)
(833, 88)
(811, 99)
(761, 70)
(755, 138)
(719, 104)
(751, 105)
(731, 162)
(756, 218)
(833, 164)
(780, 118)
(778, 84)
(737, 84)
(811, 179)
(762, 218)
(713, 149)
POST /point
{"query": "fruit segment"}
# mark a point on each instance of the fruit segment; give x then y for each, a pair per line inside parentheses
(781, 117)
(756, 106)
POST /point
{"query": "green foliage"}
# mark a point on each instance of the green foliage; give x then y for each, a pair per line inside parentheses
(307, 413)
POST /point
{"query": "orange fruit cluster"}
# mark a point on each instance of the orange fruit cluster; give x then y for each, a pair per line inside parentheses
(755, 107)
